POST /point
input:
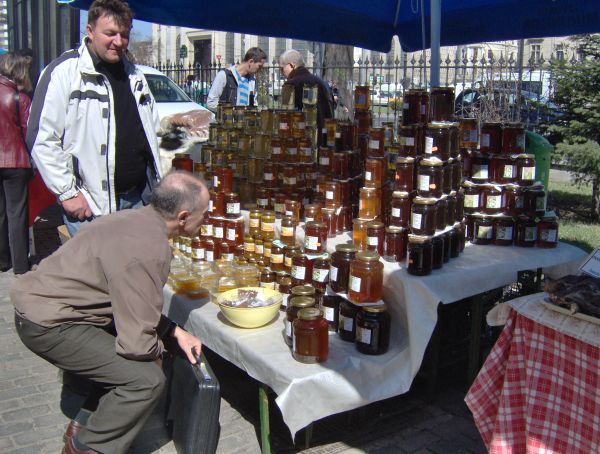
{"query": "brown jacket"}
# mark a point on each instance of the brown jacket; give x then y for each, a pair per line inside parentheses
(114, 269)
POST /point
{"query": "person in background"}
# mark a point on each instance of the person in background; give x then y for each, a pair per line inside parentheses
(93, 308)
(93, 123)
(15, 166)
(339, 108)
(291, 64)
(236, 85)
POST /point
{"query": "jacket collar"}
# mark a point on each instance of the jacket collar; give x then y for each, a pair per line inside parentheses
(299, 70)
(8, 82)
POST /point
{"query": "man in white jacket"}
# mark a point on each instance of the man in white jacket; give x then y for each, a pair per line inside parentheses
(92, 127)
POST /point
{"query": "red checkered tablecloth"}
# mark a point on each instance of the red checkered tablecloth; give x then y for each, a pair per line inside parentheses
(538, 392)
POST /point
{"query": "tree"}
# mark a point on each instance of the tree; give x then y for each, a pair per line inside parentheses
(339, 62)
(578, 132)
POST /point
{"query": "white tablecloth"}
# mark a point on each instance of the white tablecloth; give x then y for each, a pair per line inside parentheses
(349, 379)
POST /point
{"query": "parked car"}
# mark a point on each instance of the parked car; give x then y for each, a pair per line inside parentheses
(170, 98)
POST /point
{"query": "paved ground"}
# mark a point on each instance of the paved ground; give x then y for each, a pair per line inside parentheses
(34, 407)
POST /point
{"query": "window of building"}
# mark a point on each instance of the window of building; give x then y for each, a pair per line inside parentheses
(536, 53)
(560, 52)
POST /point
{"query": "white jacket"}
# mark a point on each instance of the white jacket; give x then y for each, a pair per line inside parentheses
(71, 131)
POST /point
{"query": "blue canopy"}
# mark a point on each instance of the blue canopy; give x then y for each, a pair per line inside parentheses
(371, 24)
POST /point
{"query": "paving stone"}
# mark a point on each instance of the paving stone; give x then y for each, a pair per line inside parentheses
(15, 428)
(25, 413)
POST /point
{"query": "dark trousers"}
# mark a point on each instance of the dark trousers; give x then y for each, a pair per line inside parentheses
(134, 387)
(14, 237)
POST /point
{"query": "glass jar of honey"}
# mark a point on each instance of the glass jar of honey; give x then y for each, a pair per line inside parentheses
(320, 273)
(534, 201)
(276, 256)
(198, 251)
(263, 199)
(365, 284)
(373, 326)
(295, 305)
(347, 321)
(513, 138)
(301, 270)
(525, 169)
(441, 212)
(232, 205)
(359, 233)
(491, 138)
(526, 232)
(270, 174)
(441, 104)
(547, 234)
(340, 267)
(419, 256)
(226, 252)
(279, 204)
(429, 178)
(292, 208)
(504, 227)
(325, 160)
(491, 199)
(216, 205)
(267, 225)
(254, 221)
(315, 237)
(284, 285)
(234, 231)
(288, 230)
(409, 140)
(411, 107)
(480, 168)
(437, 244)
(375, 236)
(249, 246)
(469, 133)
(376, 147)
(362, 97)
(514, 200)
(423, 216)
(213, 252)
(219, 229)
(457, 173)
(395, 244)
(330, 220)
(288, 254)
(333, 194)
(437, 141)
(447, 169)
(290, 152)
(400, 212)
(312, 212)
(503, 169)
(369, 206)
(374, 173)
(311, 337)
(182, 161)
(404, 179)
(483, 229)
(223, 179)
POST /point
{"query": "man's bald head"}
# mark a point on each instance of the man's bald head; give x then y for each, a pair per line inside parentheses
(179, 191)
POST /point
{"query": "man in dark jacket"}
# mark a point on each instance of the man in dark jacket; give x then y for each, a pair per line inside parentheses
(292, 66)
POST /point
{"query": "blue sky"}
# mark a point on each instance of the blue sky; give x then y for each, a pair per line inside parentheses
(141, 29)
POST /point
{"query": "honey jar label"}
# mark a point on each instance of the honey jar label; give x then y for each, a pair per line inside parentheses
(368, 175)
(471, 201)
(528, 173)
(270, 285)
(485, 140)
(287, 261)
(283, 126)
(210, 256)
(276, 258)
(210, 206)
(416, 220)
(363, 335)
(405, 106)
(320, 275)
(374, 144)
(262, 203)
(396, 212)
(268, 176)
(311, 243)
(493, 201)
(407, 141)
(548, 235)
(249, 247)
(429, 145)
(485, 232)
(268, 226)
(480, 171)
(423, 182)
(288, 328)
(299, 272)
(540, 203)
(218, 232)
(276, 150)
(259, 249)
(346, 322)
(287, 231)
(198, 253)
(333, 271)
(233, 208)
(292, 151)
(329, 313)
(254, 222)
(329, 195)
(228, 256)
(372, 241)
(231, 234)
(504, 233)
(306, 151)
(508, 172)
(354, 283)
(206, 230)
(530, 233)
(324, 161)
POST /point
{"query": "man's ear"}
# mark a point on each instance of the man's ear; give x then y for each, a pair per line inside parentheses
(182, 217)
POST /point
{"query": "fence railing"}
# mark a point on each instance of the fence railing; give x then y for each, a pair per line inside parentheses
(488, 89)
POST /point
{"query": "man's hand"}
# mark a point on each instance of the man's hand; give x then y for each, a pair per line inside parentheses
(187, 342)
(77, 207)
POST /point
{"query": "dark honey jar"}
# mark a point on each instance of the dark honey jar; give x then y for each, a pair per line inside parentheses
(437, 141)
(347, 321)
(375, 236)
(525, 169)
(320, 273)
(411, 108)
(340, 267)
(400, 212)
(419, 256)
(491, 199)
(480, 168)
(376, 147)
(526, 232)
(373, 326)
(396, 239)
(441, 104)
(310, 337)
(404, 178)
(490, 138)
(423, 216)
(409, 140)
(315, 237)
(301, 269)
(483, 229)
(547, 236)
(325, 158)
(513, 138)
(429, 178)
(504, 227)
(503, 169)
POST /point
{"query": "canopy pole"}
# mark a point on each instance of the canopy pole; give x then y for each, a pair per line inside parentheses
(435, 18)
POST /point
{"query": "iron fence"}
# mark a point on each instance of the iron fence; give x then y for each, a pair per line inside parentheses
(488, 89)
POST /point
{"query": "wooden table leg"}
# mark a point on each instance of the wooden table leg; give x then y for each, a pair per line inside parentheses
(263, 406)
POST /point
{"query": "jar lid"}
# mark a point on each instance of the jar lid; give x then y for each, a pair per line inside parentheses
(368, 189)
(419, 239)
(347, 247)
(468, 184)
(431, 162)
(491, 123)
(439, 125)
(504, 217)
(526, 156)
(255, 211)
(375, 309)
(182, 155)
(328, 210)
(400, 194)
(452, 194)
(425, 200)
(310, 313)
(368, 256)
(514, 124)
(248, 238)
(442, 89)
(301, 301)
(303, 290)
(284, 280)
(404, 160)
(375, 225)
(512, 186)
(317, 224)
(394, 229)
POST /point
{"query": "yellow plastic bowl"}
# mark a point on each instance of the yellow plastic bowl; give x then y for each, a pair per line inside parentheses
(250, 317)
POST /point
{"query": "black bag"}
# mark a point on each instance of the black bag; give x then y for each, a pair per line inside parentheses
(195, 403)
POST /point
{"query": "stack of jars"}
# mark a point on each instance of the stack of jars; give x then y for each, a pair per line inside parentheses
(503, 203)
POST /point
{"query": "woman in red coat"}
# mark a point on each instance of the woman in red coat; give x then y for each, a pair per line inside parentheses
(15, 167)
